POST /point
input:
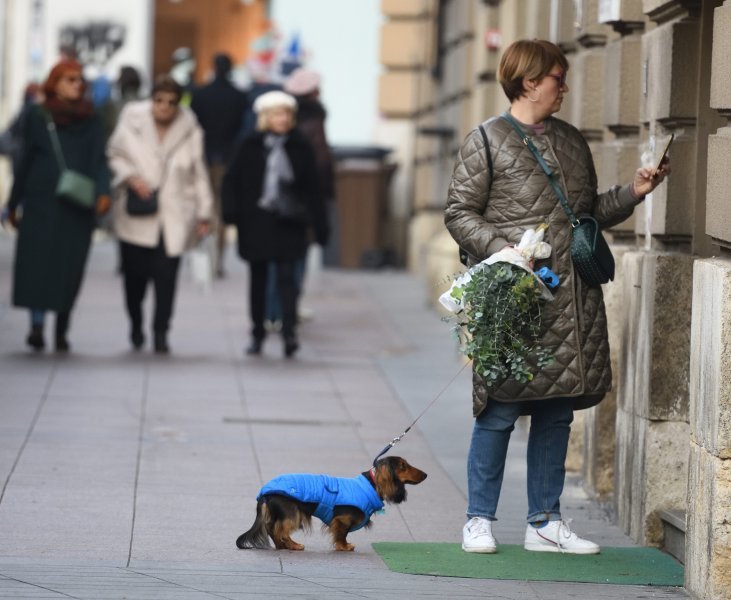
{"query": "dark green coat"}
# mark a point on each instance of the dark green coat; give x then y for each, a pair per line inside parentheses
(54, 236)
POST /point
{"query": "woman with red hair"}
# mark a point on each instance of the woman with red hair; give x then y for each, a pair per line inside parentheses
(54, 234)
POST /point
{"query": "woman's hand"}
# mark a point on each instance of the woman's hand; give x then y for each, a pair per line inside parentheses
(139, 186)
(647, 179)
(202, 228)
(9, 215)
(103, 204)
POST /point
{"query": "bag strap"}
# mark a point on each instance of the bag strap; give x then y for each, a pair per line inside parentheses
(546, 169)
(55, 142)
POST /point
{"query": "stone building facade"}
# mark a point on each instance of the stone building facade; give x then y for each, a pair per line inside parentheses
(659, 446)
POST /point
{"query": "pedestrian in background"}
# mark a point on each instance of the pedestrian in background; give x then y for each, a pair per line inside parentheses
(272, 194)
(156, 155)
(496, 193)
(304, 85)
(11, 140)
(261, 83)
(54, 234)
(220, 108)
(126, 89)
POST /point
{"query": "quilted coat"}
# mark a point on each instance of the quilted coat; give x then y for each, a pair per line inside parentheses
(327, 492)
(175, 165)
(488, 209)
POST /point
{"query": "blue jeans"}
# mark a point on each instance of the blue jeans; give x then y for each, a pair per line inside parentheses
(547, 444)
(274, 298)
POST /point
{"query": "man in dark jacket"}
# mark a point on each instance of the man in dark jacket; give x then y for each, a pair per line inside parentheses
(219, 107)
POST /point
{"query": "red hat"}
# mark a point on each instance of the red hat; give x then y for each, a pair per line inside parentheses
(63, 67)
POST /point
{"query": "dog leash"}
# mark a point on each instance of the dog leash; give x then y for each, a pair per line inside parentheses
(397, 439)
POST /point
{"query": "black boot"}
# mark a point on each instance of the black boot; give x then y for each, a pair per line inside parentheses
(161, 343)
(35, 338)
(62, 327)
(291, 345)
(137, 338)
(254, 348)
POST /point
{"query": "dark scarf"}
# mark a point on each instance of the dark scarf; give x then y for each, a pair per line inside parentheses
(66, 113)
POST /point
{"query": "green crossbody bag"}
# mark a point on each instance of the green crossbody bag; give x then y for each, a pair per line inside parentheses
(590, 253)
(72, 186)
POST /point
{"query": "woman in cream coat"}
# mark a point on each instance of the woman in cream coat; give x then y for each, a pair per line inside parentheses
(157, 147)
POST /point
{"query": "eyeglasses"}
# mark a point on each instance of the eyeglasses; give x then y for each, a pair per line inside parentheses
(165, 101)
(560, 79)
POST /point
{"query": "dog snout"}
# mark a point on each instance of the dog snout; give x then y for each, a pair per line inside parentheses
(416, 476)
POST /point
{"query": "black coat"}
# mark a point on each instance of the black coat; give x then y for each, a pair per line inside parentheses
(53, 235)
(311, 117)
(219, 108)
(262, 235)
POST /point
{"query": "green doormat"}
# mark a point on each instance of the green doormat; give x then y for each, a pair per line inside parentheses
(629, 566)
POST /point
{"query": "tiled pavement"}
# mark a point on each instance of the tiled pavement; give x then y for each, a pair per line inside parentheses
(130, 475)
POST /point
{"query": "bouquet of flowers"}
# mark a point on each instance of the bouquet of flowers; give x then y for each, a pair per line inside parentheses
(497, 311)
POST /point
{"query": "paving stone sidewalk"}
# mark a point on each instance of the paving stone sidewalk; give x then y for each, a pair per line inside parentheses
(128, 475)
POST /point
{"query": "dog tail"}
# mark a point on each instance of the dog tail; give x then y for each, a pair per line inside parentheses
(257, 536)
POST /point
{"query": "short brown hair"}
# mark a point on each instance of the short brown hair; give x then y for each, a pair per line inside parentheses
(528, 59)
(165, 83)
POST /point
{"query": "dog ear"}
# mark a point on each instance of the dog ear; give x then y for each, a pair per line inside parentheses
(388, 484)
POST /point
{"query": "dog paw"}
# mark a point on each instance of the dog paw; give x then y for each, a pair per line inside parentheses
(345, 547)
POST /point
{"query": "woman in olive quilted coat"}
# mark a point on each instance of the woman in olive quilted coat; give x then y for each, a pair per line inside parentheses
(498, 190)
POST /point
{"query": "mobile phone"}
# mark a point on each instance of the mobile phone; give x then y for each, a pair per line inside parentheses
(664, 154)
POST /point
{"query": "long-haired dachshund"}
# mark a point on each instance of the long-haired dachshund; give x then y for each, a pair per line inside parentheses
(288, 502)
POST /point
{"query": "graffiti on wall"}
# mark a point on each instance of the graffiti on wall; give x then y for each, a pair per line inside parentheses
(93, 43)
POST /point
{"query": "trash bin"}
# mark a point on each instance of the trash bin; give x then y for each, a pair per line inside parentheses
(362, 178)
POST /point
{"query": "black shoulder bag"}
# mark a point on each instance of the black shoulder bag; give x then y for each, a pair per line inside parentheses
(464, 257)
(590, 253)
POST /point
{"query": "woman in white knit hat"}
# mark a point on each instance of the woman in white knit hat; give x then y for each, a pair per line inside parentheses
(272, 194)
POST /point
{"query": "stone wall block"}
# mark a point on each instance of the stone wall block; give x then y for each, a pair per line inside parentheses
(665, 476)
(566, 24)
(651, 474)
(456, 72)
(655, 342)
(402, 43)
(708, 537)
(718, 215)
(424, 185)
(588, 20)
(721, 65)
(407, 8)
(441, 264)
(422, 229)
(670, 328)
(599, 429)
(619, 161)
(630, 383)
(629, 11)
(710, 364)
(622, 68)
(669, 72)
(629, 467)
(672, 207)
(588, 93)
(398, 93)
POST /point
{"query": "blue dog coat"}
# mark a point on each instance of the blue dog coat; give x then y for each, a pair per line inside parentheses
(327, 492)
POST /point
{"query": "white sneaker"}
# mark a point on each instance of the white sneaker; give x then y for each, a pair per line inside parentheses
(556, 536)
(477, 536)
